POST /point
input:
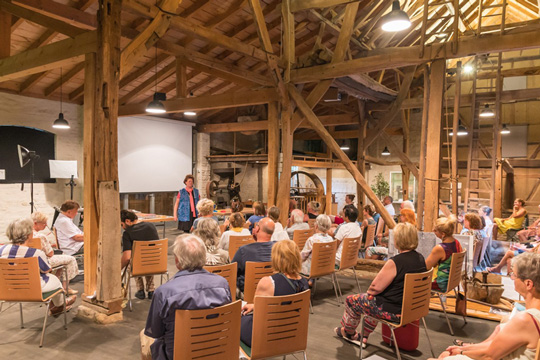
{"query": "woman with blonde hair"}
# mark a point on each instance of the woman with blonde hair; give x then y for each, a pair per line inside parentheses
(313, 210)
(205, 207)
(441, 255)
(287, 281)
(208, 231)
(236, 228)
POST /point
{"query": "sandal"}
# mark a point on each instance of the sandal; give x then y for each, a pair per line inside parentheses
(458, 342)
(340, 332)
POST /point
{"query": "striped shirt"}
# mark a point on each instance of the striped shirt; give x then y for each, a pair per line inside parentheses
(11, 251)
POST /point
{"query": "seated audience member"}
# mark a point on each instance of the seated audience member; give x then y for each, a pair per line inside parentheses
(515, 221)
(387, 202)
(135, 230)
(518, 337)
(236, 207)
(192, 288)
(337, 221)
(369, 211)
(279, 234)
(349, 199)
(19, 232)
(384, 297)
(40, 223)
(531, 231)
(260, 251)
(208, 231)
(205, 207)
(70, 237)
(407, 205)
(313, 210)
(287, 281)
(350, 229)
(472, 225)
(259, 212)
(236, 228)
(322, 225)
(485, 212)
(296, 222)
(441, 255)
(515, 250)
(381, 251)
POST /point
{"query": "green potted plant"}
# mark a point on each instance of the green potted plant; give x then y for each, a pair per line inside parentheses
(381, 188)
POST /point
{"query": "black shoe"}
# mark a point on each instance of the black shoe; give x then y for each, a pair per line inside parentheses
(140, 294)
(150, 294)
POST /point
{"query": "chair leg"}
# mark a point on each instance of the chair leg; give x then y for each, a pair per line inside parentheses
(339, 290)
(445, 314)
(45, 322)
(305, 355)
(310, 307)
(457, 294)
(395, 343)
(22, 320)
(167, 276)
(361, 334)
(161, 279)
(65, 313)
(357, 282)
(128, 283)
(334, 280)
(428, 338)
(1, 305)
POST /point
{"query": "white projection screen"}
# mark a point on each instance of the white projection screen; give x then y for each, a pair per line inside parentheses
(154, 155)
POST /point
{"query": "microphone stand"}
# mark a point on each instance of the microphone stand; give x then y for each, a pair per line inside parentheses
(72, 184)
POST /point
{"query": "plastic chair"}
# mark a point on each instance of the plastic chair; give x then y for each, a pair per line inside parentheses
(148, 258)
(255, 271)
(280, 326)
(229, 272)
(370, 239)
(415, 305)
(237, 241)
(20, 282)
(323, 262)
(300, 237)
(349, 258)
(454, 278)
(212, 334)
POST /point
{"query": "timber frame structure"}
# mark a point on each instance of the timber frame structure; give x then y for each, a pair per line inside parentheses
(215, 56)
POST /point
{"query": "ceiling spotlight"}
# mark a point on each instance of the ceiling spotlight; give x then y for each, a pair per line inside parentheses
(385, 152)
(396, 20)
(190, 113)
(462, 131)
(156, 106)
(344, 147)
(60, 123)
(487, 112)
(505, 130)
(468, 68)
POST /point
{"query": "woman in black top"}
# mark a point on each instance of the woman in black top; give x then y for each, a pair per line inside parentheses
(287, 262)
(384, 296)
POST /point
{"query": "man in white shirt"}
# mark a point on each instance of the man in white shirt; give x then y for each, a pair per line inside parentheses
(350, 229)
(70, 237)
(387, 202)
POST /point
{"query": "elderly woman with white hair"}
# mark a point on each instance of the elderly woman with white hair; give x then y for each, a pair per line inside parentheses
(205, 207)
(19, 232)
(296, 222)
(322, 225)
(208, 231)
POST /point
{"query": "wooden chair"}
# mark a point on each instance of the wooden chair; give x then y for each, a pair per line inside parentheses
(454, 278)
(349, 258)
(323, 262)
(147, 258)
(311, 223)
(212, 334)
(222, 228)
(20, 282)
(370, 239)
(537, 357)
(300, 237)
(415, 305)
(237, 241)
(34, 243)
(255, 271)
(229, 272)
(280, 326)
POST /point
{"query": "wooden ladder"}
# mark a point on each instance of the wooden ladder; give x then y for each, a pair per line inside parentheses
(443, 24)
(489, 13)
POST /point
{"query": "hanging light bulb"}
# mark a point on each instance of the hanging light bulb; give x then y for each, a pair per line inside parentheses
(487, 112)
(190, 113)
(462, 131)
(385, 152)
(468, 68)
(156, 106)
(61, 123)
(505, 130)
(344, 147)
(396, 20)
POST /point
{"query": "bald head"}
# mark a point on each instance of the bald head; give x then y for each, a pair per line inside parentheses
(264, 230)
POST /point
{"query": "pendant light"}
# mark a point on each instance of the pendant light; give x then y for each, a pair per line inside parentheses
(396, 20)
(156, 106)
(487, 112)
(61, 123)
(344, 146)
(505, 130)
(462, 131)
(385, 152)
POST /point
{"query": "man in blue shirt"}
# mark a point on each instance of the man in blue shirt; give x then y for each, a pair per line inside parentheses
(191, 288)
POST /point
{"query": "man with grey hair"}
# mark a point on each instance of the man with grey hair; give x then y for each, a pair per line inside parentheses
(296, 222)
(259, 251)
(192, 288)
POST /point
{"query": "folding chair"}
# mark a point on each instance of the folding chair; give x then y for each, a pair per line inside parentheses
(300, 237)
(237, 241)
(229, 272)
(454, 278)
(212, 334)
(415, 305)
(148, 258)
(370, 239)
(255, 271)
(323, 262)
(280, 326)
(20, 282)
(349, 258)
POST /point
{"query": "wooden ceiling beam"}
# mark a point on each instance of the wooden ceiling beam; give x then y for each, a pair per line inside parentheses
(218, 73)
(5, 34)
(149, 83)
(299, 5)
(61, 12)
(66, 77)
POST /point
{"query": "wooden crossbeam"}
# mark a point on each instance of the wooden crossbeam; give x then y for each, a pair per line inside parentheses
(150, 82)
(67, 76)
(402, 156)
(298, 5)
(5, 34)
(62, 12)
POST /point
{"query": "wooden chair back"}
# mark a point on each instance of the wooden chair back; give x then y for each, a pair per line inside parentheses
(255, 271)
(19, 280)
(34, 243)
(56, 238)
(416, 296)
(370, 236)
(229, 272)
(311, 223)
(323, 259)
(280, 325)
(222, 228)
(149, 257)
(300, 237)
(212, 334)
(456, 265)
(537, 357)
(237, 241)
(349, 253)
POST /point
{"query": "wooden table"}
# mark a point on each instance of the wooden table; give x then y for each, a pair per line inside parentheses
(153, 218)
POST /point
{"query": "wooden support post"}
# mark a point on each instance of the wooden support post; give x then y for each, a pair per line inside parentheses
(497, 169)
(181, 79)
(328, 207)
(405, 172)
(433, 145)
(284, 189)
(288, 39)
(361, 155)
(423, 142)
(455, 126)
(5, 34)
(273, 152)
(102, 284)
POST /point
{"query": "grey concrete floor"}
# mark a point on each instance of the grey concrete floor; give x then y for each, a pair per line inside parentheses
(86, 340)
